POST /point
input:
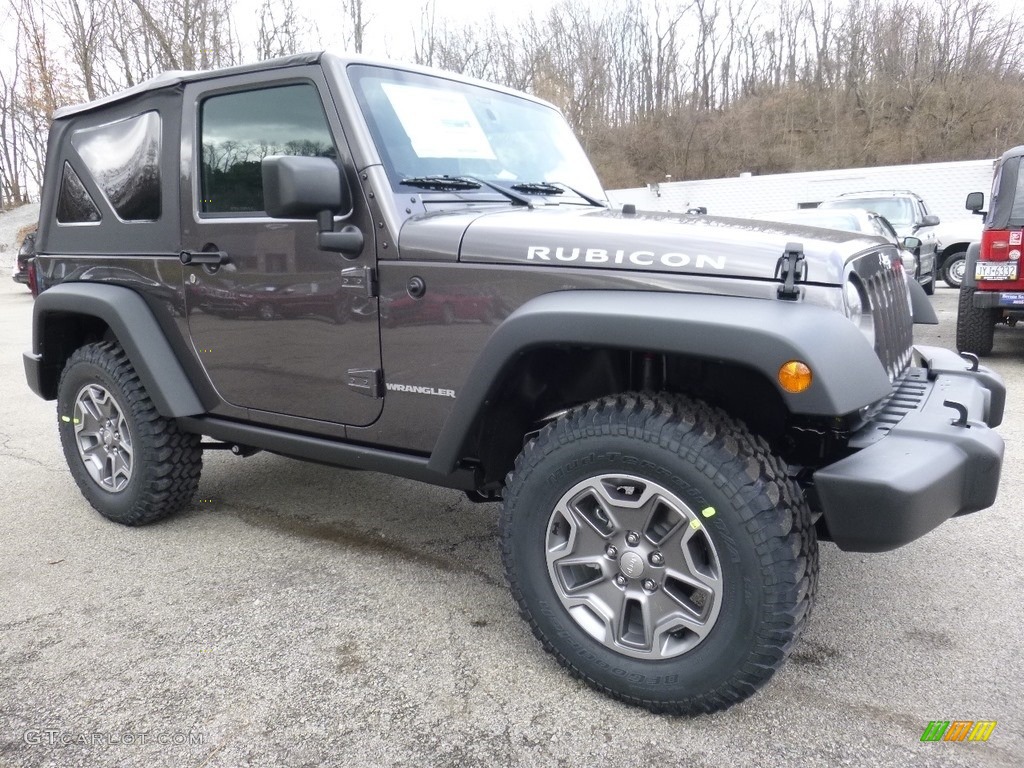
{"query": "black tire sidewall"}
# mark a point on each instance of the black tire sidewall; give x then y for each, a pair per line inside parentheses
(115, 506)
(710, 665)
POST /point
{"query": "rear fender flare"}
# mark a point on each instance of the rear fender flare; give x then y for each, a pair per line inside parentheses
(133, 324)
(973, 252)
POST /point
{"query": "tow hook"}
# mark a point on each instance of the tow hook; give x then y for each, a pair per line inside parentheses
(961, 420)
(972, 359)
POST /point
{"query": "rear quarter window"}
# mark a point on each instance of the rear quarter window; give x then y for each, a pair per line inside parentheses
(123, 159)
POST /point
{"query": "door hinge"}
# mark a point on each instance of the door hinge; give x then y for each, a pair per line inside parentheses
(791, 268)
(366, 381)
(363, 278)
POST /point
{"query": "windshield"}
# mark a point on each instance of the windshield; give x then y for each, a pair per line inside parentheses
(897, 210)
(427, 126)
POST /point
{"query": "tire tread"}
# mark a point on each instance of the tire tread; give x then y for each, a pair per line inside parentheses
(780, 523)
(172, 459)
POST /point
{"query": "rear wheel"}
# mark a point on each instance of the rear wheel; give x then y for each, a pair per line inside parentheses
(953, 269)
(133, 465)
(659, 551)
(975, 327)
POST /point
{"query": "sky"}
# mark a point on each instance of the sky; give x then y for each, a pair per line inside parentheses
(391, 22)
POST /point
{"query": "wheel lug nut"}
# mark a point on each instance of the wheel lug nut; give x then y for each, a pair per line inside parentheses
(611, 551)
(657, 558)
(649, 585)
(620, 580)
(632, 538)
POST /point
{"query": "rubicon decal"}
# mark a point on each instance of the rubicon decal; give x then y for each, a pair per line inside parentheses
(635, 258)
(411, 389)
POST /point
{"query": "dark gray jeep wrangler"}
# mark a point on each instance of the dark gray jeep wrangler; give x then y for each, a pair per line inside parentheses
(393, 269)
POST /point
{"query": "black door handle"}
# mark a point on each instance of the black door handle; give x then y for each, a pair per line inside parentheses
(207, 258)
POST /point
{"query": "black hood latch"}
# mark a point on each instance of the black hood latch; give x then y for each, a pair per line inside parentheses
(791, 268)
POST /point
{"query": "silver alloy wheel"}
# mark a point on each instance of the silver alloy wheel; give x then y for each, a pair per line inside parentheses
(957, 270)
(634, 566)
(103, 438)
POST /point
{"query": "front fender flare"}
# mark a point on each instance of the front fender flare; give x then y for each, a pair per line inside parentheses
(759, 333)
(973, 252)
(137, 331)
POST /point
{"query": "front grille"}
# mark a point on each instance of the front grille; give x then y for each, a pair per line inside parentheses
(890, 311)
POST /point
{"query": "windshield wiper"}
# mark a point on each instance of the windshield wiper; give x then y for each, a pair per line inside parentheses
(537, 188)
(455, 183)
(554, 188)
(440, 183)
(515, 197)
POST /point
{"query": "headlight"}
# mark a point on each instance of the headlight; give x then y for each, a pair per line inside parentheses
(858, 307)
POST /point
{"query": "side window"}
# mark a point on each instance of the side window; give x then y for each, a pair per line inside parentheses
(123, 159)
(1017, 209)
(238, 130)
(74, 203)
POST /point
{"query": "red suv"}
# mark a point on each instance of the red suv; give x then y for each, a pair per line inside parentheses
(993, 287)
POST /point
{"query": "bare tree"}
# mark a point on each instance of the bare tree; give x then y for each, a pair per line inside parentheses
(360, 21)
(279, 29)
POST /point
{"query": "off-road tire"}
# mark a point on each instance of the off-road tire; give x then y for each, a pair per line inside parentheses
(753, 513)
(953, 269)
(166, 462)
(975, 328)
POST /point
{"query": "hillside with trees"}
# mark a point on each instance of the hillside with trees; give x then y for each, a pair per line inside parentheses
(690, 89)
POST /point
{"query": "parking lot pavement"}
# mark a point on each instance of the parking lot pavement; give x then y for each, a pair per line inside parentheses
(301, 615)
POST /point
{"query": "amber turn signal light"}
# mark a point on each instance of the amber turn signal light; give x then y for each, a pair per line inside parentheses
(795, 377)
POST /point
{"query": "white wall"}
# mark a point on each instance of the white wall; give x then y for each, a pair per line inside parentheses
(944, 187)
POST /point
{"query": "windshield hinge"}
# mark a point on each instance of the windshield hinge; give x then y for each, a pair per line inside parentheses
(791, 268)
(361, 278)
(371, 282)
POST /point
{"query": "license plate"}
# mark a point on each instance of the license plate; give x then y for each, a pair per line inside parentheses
(995, 270)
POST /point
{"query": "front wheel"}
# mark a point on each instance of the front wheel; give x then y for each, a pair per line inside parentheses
(133, 465)
(659, 551)
(953, 269)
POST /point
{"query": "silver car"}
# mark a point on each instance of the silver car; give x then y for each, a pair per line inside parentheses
(855, 220)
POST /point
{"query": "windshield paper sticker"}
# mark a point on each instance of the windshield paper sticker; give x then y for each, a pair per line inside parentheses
(439, 123)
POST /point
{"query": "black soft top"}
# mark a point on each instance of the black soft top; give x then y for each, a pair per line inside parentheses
(174, 78)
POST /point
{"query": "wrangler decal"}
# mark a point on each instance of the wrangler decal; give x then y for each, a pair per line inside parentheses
(421, 390)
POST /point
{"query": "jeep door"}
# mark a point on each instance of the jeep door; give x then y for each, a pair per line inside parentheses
(280, 326)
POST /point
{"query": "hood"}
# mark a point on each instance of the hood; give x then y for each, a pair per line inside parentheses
(589, 238)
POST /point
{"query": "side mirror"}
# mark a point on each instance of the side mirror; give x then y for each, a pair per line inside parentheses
(911, 243)
(975, 202)
(303, 187)
(931, 220)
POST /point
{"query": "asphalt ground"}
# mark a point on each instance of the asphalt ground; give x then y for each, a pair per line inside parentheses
(297, 615)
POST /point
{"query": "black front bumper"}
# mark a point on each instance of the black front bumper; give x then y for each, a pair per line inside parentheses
(917, 462)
